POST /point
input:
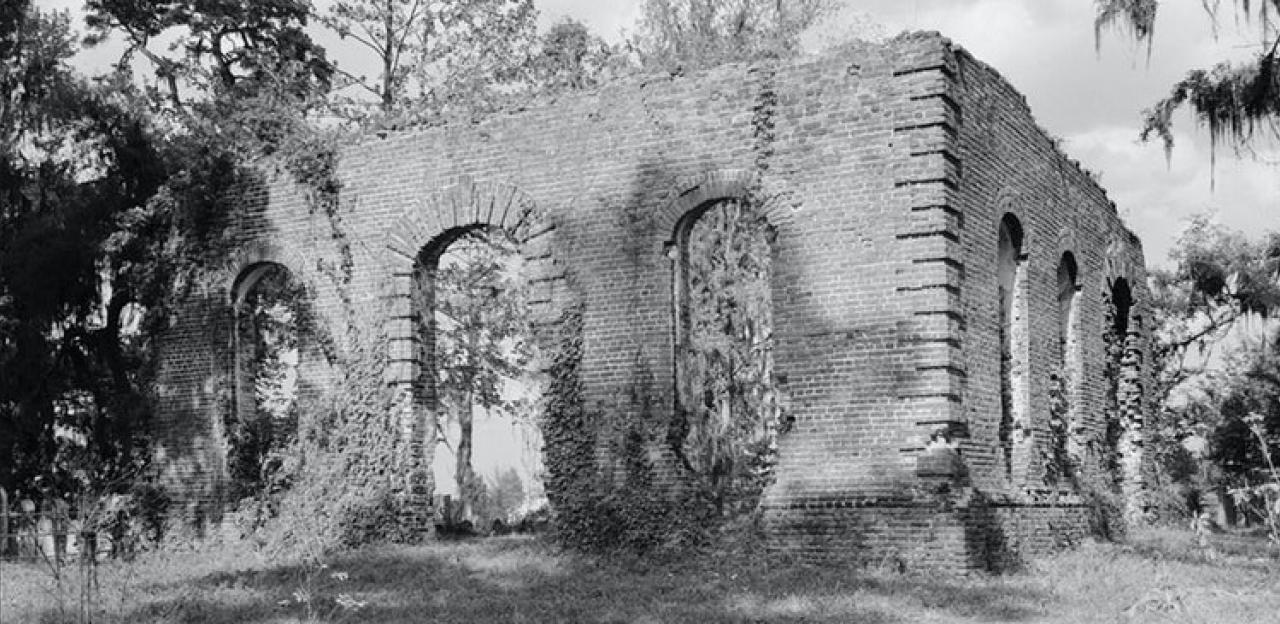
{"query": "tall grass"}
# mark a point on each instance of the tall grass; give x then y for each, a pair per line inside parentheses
(1158, 576)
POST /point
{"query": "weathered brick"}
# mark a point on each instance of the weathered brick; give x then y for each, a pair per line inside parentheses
(888, 168)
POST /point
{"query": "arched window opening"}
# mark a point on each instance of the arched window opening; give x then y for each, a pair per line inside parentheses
(1063, 378)
(1068, 289)
(479, 379)
(1119, 371)
(268, 348)
(725, 390)
(1012, 335)
(1120, 301)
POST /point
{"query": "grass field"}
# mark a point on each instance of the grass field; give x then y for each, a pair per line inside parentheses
(1157, 577)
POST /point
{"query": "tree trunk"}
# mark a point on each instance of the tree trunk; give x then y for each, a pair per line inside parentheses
(463, 472)
(389, 59)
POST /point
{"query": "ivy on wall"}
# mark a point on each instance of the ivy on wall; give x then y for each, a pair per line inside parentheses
(1054, 456)
(569, 436)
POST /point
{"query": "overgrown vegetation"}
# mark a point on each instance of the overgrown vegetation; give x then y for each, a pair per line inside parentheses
(726, 428)
(1207, 447)
(1160, 576)
(268, 340)
(686, 35)
(353, 474)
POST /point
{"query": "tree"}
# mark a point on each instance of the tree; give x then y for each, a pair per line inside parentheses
(389, 28)
(685, 35)
(1238, 416)
(107, 208)
(436, 55)
(227, 46)
(1221, 280)
(240, 80)
(571, 57)
(77, 157)
(1236, 102)
(482, 339)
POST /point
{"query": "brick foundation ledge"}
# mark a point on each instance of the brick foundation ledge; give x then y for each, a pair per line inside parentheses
(975, 534)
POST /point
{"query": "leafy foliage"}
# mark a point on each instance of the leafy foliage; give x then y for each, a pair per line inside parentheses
(1055, 458)
(1249, 402)
(1222, 285)
(568, 433)
(1237, 415)
(226, 47)
(686, 35)
(114, 207)
(597, 509)
(1221, 279)
(351, 469)
(1260, 491)
(451, 56)
(571, 57)
(77, 157)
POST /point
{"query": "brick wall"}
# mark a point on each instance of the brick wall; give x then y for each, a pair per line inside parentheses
(887, 169)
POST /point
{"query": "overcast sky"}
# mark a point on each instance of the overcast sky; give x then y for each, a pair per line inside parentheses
(1093, 101)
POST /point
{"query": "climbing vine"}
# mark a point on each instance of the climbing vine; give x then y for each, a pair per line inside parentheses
(569, 437)
(1097, 469)
(603, 485)
(350, 463)
(347, 475)
(1056, 461)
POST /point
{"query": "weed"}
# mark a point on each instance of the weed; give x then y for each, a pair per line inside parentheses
(1157, 575)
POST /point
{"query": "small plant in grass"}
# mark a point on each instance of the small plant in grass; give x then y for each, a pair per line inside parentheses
(84, 519)
(319, 599)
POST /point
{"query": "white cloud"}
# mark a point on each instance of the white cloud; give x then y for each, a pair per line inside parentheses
(1157, 197)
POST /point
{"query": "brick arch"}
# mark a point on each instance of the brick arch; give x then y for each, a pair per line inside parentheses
(1067, 243)
(257, 253)
(692, 192)
(688, 199)
(458, 207)
(239, 275)
(1015, 440)
(428, 226)
(1117, 263)
(1011, 203)
(1071, 363)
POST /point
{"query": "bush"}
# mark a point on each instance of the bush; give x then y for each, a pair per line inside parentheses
(1095, 480)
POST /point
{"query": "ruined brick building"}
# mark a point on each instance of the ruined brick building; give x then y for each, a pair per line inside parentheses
(957, 306)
